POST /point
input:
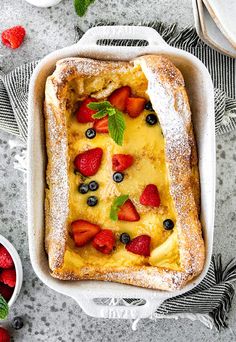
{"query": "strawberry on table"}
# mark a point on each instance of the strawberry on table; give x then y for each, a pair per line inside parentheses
(5, 258)
(8, 277)
(140, 245)
(119, 97)
(104, 241)
(134, 106)
(83, 232)
(121, 162)
(85, 114)
(88, 162)
(128, 212)
(13, 37)
(150, 196)
(101, 125)
(4, 335)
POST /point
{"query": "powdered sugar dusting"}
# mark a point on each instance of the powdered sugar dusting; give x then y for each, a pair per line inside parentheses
(166, 91)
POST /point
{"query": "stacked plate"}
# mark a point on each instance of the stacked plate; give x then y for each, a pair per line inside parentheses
(215, 24)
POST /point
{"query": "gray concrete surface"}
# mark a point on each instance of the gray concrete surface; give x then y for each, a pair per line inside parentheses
(50, 316)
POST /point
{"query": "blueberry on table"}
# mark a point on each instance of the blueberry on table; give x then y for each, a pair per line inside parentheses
(118, 177)
(92, 201)
(125, 238)
(83, 188)
(168, 224)
(93, 186)
(148, 106)
(17, 323)
(151, 119)
(90, 133)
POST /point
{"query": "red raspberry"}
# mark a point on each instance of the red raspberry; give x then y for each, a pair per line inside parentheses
(6, 291)
(5, 258)
(150, 196)
(140, 245)
(13, 37)
(4, 335)
(104, 241)
(8, 277)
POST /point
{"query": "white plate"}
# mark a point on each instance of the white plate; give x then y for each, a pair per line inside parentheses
(211, 33)
(200, 89)
(223, 13)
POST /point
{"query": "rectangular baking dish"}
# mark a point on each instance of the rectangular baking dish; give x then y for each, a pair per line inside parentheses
(200, 90)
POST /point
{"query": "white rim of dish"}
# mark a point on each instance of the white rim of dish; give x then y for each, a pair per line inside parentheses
(43, 3)
(18, 267)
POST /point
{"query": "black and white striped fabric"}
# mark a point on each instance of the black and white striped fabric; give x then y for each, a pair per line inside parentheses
(14, 86)
(211, 300)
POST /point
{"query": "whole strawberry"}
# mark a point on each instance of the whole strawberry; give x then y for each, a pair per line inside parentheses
(5, 258)
(8, 277)
(4, 335)
(13, 37)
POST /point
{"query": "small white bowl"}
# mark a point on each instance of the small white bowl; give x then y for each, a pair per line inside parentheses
(43, 3)
(18, 267)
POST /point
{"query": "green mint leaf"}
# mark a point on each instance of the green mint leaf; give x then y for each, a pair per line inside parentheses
(111, 111)
(100, 114)
(3, 308)
(116, 122)
(117, 203)
(116, 127)
(99, 105)
(81, 6)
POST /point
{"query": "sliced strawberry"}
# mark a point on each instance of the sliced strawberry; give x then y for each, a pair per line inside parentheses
(134, 106)
(88, 162)
(128, 212)
(101, 125)
(84, 114)
(104, 241)
(121, 162)
(119, 97)
(83, 232)
(140, 245)
(150, 196)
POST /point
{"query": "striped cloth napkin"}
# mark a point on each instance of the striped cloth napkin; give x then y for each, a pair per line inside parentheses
(211, 300)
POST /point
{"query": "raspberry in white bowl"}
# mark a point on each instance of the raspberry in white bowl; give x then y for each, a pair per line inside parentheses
(11, 273)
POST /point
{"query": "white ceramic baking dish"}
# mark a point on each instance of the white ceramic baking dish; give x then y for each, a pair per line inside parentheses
(200, 91)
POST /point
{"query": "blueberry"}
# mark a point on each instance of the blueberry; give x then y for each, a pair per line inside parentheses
(151, 119)
(148, 106)
(90, 133)
(125, 238)
(118, 177)
(168, 224)
(92, 201)
(17, 323)
(83, 188)
(93, 186)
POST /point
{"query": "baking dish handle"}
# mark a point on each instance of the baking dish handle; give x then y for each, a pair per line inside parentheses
(122, 32)
(93, 309)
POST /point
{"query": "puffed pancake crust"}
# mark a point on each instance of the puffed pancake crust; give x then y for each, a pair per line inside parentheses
(164, 154)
